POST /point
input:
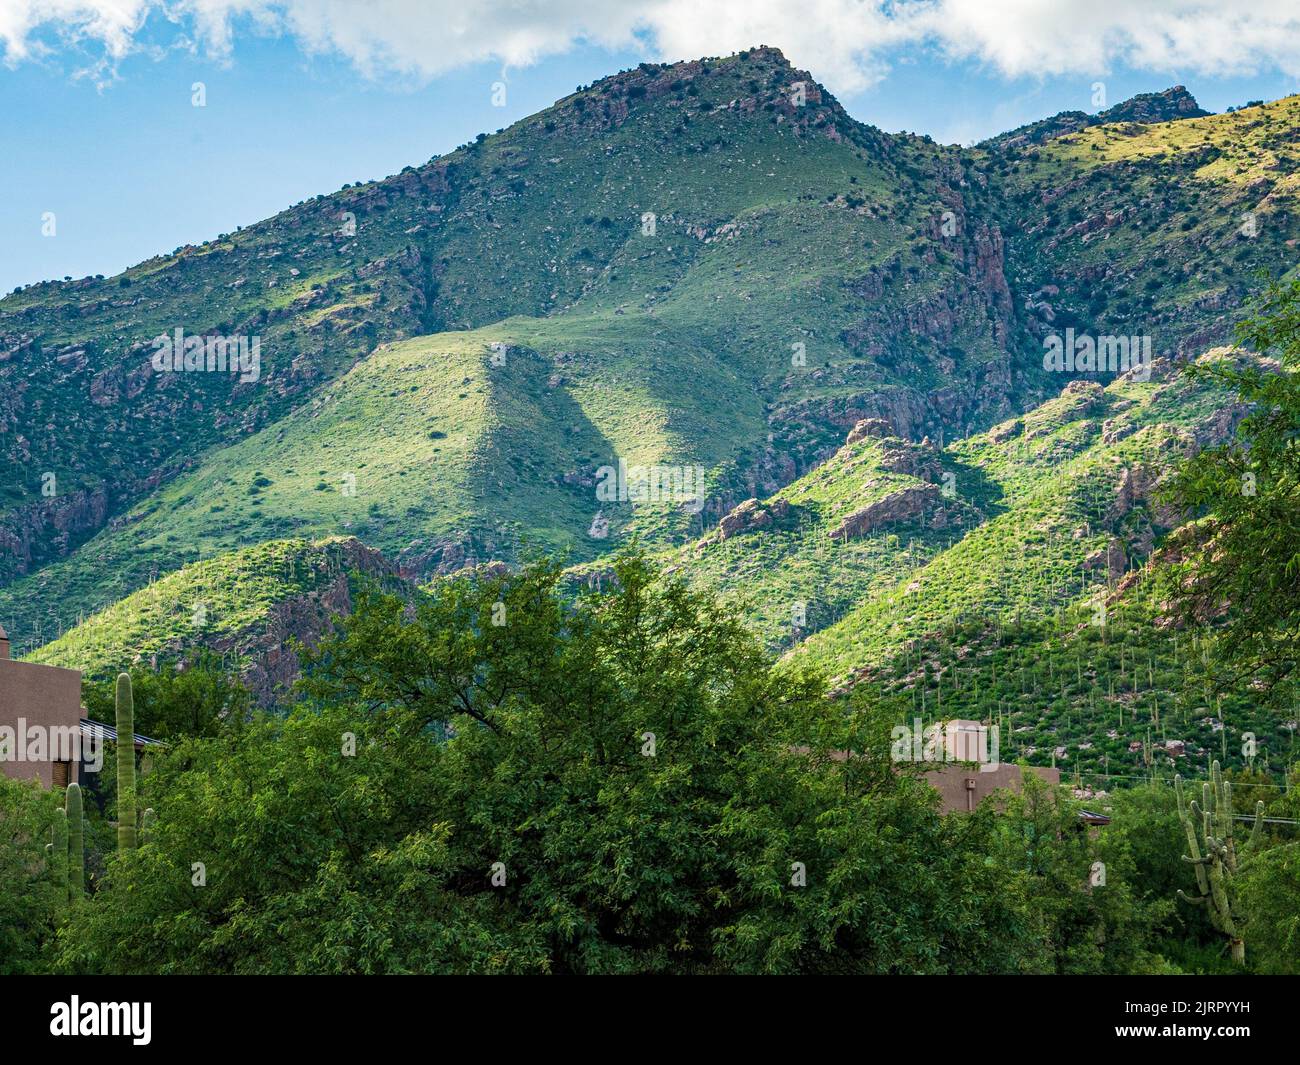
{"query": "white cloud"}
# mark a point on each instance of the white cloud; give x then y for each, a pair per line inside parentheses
(845, 43)
(1032, 37)
(112, 25)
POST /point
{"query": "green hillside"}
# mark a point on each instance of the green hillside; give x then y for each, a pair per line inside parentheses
(1108, 697)
(1068, 493)
(245, 606)
(1156, 229)
(718, 274)
(1035, 513)
(705, 265)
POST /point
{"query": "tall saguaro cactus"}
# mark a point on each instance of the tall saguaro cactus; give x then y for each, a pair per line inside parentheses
(1213, 852)
(126, 833)
(76, 845)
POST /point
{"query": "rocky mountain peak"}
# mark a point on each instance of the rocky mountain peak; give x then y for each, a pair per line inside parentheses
(1148, 107)
(1167, 106)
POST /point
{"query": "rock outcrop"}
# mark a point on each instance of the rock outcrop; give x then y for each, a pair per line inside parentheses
(748, 516)
(1137, 486)
(904, 504)
(868, 428)
(1111, 558)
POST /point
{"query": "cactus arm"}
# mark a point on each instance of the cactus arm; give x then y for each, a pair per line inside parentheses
(1222, 911)
(1192, 847)
(1222, 806)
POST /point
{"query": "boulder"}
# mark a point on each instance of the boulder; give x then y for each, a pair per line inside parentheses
(750, 515)
(869, 427)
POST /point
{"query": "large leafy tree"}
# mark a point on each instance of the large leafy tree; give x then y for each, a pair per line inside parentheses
(1270, 883)
(1244, 558)
(1270, 901)
(1083, 886)
(31, 902)
(507, 778)
(174, 701)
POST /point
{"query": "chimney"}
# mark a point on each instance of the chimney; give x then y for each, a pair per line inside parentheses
(4, 643)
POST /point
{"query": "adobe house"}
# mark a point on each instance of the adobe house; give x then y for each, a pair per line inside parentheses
(965, 787)
(40, 721)
(965, 769)
(962, 785)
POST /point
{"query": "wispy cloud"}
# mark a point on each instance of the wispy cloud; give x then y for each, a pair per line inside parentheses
(846, 43)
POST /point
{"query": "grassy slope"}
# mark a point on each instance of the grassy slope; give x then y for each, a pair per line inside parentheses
(1030, 502)
(994, 619)
(1103, 702)
(218, 603)
(794, 562)
(1106, 701)
(1141, 229)
(1048, 490)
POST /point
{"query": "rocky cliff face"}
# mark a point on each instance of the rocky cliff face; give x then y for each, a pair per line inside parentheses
(267, 650)
(901, 505)
(51, 528)
(749, 516)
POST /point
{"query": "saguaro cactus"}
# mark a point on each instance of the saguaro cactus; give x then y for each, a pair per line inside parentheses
(76, 845)
(1213, 852)
(126, 833)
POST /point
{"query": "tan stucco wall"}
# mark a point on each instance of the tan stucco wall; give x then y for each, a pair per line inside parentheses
(950, 782)
(44, 696)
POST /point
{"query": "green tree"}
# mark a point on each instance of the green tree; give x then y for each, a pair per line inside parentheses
(1145, 826)
(172, 703)
(1081, 886)
(507, 779)
(1244, 556)
(1269, 896)
(32, 896)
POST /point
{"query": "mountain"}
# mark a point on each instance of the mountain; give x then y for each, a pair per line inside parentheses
(1160, 230)
(1148, 107)
(701, 266)
(776, 221)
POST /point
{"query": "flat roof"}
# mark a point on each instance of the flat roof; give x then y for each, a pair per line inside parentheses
(102, 732)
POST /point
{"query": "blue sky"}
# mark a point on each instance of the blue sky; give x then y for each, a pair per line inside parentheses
(130, 168)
